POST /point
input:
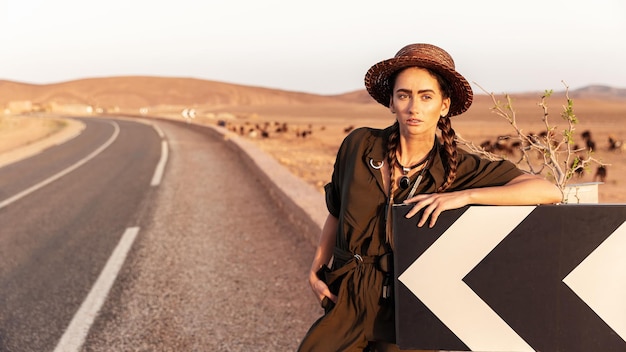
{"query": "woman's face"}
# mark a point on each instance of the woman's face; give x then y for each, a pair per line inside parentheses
(417, 101)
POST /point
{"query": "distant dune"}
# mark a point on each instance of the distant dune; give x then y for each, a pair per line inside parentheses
(600, 92)
(134, 92)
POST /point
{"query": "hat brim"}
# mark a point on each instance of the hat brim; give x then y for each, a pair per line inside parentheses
(377, 81)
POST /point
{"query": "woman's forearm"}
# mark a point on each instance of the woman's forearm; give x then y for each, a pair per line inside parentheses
(523, 190)
(326, 244)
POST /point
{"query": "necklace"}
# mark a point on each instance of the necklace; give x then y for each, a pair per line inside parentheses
(417, 182)
(406, 170)
(405, 181)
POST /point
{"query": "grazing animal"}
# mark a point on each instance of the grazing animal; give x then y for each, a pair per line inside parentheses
(282, 128)
(487, 146)
(616, 145)
(516, 145)
(591, 145)
(600, 174)
(502, 145)
(579, 171)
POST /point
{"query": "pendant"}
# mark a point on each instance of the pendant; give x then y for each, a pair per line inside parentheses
(376, 167)
(405, 182)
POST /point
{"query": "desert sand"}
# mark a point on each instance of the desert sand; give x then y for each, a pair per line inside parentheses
(22, 137)
(315, 125)
(17, 132)
(312, 157)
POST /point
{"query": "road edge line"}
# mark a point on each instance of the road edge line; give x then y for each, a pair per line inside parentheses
(76, 333)
(64, 172)
(160, 169)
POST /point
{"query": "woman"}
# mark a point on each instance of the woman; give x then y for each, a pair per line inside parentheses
(406, 162)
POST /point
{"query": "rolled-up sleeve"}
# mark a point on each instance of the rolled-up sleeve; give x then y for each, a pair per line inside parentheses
(476, 172)
(346, 158)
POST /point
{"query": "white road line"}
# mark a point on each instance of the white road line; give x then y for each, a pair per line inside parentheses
(74, 337)
(159, 131)
(49, 180)
(158, 172)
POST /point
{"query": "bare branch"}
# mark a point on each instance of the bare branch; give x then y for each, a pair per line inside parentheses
(549, 147)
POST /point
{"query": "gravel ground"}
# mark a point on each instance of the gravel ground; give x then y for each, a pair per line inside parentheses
(219, 268)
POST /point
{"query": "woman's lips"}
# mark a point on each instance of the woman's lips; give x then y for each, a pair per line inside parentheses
(414, 121)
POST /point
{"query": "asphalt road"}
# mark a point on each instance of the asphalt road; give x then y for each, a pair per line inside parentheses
(55, 240)
(214, 264)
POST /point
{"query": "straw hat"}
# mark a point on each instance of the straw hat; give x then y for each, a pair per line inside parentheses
(426, 56)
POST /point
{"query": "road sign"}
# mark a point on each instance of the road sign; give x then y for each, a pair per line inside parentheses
(517, 278)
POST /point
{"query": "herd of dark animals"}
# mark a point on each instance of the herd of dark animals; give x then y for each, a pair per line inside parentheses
(508, 145)
(503, 145)
(267, 128)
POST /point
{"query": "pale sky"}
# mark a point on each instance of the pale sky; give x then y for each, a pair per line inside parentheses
(321, 46)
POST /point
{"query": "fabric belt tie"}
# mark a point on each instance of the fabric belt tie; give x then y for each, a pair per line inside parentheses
(351, 261)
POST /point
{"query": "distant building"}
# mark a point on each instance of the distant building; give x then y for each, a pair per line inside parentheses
(19, 107)
(74, 109)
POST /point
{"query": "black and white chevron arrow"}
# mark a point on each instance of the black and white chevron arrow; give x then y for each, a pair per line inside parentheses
(519, 278)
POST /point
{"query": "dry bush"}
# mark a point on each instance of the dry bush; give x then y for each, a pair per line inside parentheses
(551, 153)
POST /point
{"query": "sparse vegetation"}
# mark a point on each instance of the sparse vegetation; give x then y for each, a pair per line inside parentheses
(551, 153)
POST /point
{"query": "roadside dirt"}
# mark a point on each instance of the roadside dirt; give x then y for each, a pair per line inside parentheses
(23, 136)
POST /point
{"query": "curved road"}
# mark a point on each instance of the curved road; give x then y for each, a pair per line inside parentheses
(56, 239)
(211, 266)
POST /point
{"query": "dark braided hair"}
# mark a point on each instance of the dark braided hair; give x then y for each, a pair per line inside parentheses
(448, 136)
(392, 145)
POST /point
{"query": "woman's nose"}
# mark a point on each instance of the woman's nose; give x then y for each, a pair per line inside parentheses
(412, 105)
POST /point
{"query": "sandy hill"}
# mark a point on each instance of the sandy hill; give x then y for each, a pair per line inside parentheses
(138, 91)
(600, 92)
(588, 92)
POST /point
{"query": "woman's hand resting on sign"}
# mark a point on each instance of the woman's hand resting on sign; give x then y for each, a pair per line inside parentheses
(522, 190)
(434, 204)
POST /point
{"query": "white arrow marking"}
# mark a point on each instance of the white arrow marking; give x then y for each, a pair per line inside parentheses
(600, 281)
(436, 277)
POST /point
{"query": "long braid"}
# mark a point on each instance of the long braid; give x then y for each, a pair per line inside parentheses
(448, 137)
(392, 145)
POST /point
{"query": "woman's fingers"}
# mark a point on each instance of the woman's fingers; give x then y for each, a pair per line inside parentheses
(321, 290)
(432, 212)
(418, 205)
(433, 217)
(433, 205)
